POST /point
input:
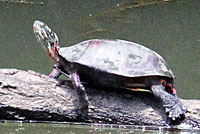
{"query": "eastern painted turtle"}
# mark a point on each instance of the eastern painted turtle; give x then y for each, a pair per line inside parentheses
(112, 64)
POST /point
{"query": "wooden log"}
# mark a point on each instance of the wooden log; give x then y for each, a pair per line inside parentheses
(27, 95)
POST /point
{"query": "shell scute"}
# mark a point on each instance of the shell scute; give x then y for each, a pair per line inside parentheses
(117, 57)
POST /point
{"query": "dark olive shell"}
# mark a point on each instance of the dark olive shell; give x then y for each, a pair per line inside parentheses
(118, 57)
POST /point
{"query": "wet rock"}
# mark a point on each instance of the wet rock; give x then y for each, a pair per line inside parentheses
(27, 95)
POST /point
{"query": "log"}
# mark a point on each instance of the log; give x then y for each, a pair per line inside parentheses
(28, 95)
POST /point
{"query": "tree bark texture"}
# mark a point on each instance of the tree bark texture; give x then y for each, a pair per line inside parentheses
(27, 95)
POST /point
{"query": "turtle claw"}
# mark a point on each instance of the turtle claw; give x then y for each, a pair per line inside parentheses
(176, 121)
(176, 113)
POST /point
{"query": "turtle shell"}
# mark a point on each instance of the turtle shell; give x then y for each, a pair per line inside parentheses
(118, 57)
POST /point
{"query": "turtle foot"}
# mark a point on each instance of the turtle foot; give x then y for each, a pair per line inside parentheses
(176, 113)
(56, 72)
(176, 121)
(172, 104)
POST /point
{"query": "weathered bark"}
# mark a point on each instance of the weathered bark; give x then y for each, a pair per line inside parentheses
(27, 95)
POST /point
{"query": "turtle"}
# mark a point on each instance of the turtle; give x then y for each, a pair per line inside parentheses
(112, 63)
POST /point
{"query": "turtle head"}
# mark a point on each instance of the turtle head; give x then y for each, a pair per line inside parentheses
(47, 38)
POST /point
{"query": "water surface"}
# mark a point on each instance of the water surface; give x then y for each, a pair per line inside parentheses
(78, 128)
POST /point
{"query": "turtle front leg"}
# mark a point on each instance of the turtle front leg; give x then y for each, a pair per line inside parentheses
(172, 104)
(56, 72)
(82, 96)
(78, 86)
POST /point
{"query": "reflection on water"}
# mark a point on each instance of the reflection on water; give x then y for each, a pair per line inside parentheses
(78, 128)
(169, 28)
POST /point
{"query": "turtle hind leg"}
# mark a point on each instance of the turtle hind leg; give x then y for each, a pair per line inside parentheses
(82, 96)
(173, 106)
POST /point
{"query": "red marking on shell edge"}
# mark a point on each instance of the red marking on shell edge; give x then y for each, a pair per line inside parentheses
(130, 43)
(97, 42)
(173, 91)
(170, 85)
(172, 88)
(162, 81)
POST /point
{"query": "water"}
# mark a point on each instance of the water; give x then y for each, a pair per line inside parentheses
(170, 28)
(77, 128)
(44, 128)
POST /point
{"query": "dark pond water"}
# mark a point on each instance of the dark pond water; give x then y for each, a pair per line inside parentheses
(67, 128)
(170, 28)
